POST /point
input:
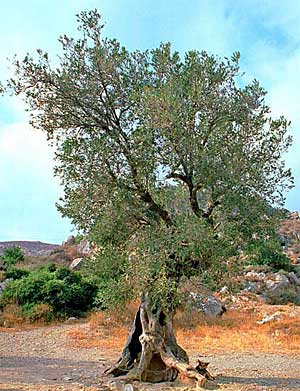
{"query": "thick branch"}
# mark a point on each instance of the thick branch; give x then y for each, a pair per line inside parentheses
(192, 191)
(144, 194)
(194, 201)
(210, 209)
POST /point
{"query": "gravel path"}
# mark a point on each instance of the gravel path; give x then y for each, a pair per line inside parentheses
(42, 359)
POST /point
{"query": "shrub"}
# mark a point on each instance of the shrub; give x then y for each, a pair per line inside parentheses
(66, 292)
(11, 316)
(40, 313)
(15, 274)
(267, 253)
(11, 256)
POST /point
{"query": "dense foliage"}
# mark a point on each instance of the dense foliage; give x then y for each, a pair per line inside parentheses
(171, 163)
(15, 274)
(64, 292)
(11, 256)
(269, 253)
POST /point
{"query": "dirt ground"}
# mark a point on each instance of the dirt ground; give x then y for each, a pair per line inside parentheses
(44, 359)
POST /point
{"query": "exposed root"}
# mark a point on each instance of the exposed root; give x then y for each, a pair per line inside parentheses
(151, 353)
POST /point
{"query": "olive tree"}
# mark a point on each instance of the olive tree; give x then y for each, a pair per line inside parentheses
(169, 163)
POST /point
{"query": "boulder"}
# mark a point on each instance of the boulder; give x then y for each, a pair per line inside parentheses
(69, 241)
(273, 287)
(209, 305)
(253, 287)
(270, 318)
(76, 263)
(276, 283)
(84, 247)
(254, 282)
(71, 319)
(294, 279)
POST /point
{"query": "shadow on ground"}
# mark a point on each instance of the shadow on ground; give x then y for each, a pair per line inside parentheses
(48, 371)
(41, 370)
(281, 383)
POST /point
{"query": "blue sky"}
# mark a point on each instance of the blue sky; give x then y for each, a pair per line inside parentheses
(266, 32)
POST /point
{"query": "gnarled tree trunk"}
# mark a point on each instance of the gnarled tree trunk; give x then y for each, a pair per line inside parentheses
(151, 352)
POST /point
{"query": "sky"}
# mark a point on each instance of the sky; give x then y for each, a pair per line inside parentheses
(266, 32)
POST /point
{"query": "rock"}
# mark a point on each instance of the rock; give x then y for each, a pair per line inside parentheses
(272, 287)
(209, 305)
(67, 378)
(255, 276)
(4, 284)
(70, 240)
(270, 318)
(71, 319)
(224, 290)
(84, 247)
(294, 216)
(297, 269)
(293, 279)
(76, 263)
(276, 283)
(213, 306)
(251, 286)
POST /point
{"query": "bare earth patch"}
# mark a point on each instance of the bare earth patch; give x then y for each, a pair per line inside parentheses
(73, 357)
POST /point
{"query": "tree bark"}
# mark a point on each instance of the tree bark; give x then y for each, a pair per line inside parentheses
(151, 353)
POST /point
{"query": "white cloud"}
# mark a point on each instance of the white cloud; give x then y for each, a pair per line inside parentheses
(24, 151)
(28, 190)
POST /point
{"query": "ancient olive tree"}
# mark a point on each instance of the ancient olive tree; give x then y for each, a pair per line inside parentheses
(168, 163)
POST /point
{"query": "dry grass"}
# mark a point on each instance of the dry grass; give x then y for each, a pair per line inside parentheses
(235, 331)
(239, 331)
(11, 316)
(12, 320)
(106, 330)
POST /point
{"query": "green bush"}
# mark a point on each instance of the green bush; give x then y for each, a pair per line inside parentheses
(16, 274)
(65, 292)
(267, 253)
(11, 256)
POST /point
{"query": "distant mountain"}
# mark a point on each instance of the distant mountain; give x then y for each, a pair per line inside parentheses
(32, 249)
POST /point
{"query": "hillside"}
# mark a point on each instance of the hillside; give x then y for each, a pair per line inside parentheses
(31, 249)
(289, 232)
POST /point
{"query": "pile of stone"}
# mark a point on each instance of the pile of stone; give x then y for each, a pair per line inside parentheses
(269, 285)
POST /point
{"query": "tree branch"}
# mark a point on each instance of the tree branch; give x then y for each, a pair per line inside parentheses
(144, 194)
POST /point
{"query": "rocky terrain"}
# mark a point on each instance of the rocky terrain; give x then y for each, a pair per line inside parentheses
(289, 232)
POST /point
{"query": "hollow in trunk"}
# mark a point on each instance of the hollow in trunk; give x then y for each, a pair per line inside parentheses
(151, 353)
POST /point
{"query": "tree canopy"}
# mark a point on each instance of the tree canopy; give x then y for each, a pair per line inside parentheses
(170, 163)
(171, 159)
